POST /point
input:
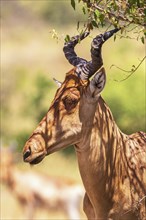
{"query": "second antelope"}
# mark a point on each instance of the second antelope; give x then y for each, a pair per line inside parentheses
(112, 164)
(35, 190)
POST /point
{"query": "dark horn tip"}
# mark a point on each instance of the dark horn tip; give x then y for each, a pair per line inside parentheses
(110, 33)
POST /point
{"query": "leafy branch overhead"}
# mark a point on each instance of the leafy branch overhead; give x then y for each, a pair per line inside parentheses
(119, 13)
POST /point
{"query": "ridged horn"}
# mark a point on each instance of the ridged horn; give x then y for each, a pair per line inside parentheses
(87, 70)
(69, 52)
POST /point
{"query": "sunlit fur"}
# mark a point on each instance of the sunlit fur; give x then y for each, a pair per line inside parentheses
(112, 165)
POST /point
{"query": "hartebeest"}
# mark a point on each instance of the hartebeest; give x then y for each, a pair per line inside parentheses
(35, 190)
(112, 164)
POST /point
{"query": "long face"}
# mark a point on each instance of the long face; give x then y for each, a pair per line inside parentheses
(74, 104)
(62, 124)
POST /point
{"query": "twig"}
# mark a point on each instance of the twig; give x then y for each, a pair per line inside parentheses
(144, 197)
(128, 71)
(111, 13)
(135, 206)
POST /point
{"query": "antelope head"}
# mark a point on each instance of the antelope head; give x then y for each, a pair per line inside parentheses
(73, 108)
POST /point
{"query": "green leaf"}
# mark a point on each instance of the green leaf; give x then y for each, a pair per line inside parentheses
(94, 23)
(101, 18)
(96, 14)
(78, 25)
(114, 37)
(84, 10)
(73, 4)
(89, 26)
(122, 30)
(142, 40)
(133, 66)
(67, 38)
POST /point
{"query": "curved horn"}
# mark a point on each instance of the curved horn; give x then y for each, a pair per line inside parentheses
(69, 50)
(87, 70)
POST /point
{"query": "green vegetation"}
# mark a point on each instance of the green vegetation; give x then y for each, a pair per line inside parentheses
(114, 12)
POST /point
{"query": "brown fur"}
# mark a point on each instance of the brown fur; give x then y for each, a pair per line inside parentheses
(112, 164)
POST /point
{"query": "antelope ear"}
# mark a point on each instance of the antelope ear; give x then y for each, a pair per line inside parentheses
(57, 82)
(97, 83)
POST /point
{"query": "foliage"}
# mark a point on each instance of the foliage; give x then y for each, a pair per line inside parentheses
(121, 13)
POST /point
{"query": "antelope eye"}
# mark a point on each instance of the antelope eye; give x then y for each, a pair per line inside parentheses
(69, 103)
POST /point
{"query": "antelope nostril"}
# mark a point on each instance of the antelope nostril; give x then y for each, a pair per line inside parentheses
(27, 153)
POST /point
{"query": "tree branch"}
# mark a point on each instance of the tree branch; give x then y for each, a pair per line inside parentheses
(118, 14)
(128, 71)
(119, 17)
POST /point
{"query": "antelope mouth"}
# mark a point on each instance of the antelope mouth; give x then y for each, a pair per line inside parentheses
(35, 159)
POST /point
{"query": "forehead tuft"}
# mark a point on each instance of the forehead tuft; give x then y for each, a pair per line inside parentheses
(73, 80)
(71, 85)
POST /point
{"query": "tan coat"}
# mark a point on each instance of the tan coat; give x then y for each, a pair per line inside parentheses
(112, 164)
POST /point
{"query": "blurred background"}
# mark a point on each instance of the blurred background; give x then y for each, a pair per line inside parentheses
(32, 38)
